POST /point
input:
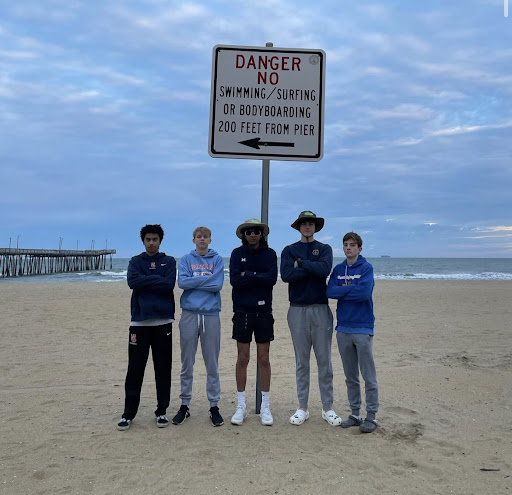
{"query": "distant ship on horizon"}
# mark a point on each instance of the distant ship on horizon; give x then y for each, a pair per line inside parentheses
(385, 256)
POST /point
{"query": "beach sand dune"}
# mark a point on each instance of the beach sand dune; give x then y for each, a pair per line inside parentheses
(444, 360)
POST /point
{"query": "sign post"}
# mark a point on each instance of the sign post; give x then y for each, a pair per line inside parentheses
(267, 103)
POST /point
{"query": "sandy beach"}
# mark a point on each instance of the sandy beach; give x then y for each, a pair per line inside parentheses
(444, 362)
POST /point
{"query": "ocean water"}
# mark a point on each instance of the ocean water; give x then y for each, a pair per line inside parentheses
(384, 269)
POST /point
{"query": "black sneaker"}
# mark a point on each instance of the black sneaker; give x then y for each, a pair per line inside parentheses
(162, 421)
(215, 416)
(181, 415)
(123, 424)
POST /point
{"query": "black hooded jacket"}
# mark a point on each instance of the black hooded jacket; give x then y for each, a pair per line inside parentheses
(252, 292)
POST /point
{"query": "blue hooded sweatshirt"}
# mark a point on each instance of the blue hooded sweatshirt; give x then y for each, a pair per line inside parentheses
(201, 277)
(352, 286)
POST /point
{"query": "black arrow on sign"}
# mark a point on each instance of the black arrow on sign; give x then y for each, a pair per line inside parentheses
(256, 143)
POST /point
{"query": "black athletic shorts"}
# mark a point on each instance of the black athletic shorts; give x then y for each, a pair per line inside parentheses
(261, 324)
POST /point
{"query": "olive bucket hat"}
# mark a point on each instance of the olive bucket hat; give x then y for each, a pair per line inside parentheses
(252, 223)
(308, 216)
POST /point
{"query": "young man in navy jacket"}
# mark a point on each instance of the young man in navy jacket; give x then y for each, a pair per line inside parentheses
(351, 283)
(305, 265)
(253, 274)
(151, 276)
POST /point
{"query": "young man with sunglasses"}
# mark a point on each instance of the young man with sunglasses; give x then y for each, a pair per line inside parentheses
(305, 265)
(253, 274)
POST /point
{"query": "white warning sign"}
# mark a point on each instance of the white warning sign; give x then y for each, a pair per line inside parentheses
(267, 103)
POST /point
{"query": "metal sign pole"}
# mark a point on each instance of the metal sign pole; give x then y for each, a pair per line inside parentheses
(265, 181)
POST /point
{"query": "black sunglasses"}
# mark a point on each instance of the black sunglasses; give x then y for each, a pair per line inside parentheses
(252, 232)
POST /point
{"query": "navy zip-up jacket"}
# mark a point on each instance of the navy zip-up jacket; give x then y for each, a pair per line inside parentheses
(352, 286)
(307, 282)
(152, 280)
(252, 292)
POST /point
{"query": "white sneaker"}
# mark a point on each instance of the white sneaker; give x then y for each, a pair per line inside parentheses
(240, 415)
(266, 416)
(299, 417)
(331, 417)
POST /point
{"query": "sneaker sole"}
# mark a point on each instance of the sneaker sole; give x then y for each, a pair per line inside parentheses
(160, 425)
(350, 425)
(331, 423)
(267, 423)
(217, 424)
(238, 423)
(186, 416)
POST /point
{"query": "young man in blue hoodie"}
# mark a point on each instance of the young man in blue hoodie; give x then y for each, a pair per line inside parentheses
(200, 275)
(253, 274)
(151, 276)
(351, 283)
(305, 265)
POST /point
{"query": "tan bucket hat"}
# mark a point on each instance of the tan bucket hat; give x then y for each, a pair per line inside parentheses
(254, 223)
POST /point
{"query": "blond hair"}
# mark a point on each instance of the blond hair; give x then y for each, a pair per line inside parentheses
(202, 230)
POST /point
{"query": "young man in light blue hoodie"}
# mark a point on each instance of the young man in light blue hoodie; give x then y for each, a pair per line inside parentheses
(200, 275)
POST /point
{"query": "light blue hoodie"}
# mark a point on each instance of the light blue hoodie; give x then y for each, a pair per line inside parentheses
(201, 277)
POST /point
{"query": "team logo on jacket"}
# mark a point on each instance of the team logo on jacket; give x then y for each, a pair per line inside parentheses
(315, 252)
(152, 265)
(243, 260)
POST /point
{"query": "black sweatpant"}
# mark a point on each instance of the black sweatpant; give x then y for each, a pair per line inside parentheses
(140, 339)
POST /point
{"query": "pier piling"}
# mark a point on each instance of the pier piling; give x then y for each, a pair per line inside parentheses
(19, 262)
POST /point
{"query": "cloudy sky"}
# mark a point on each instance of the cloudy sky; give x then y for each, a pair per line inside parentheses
(104, 111)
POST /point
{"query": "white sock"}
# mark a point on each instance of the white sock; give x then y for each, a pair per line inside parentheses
(241, 398)
(265, 399)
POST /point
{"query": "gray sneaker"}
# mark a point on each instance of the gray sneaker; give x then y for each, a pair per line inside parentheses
(368, 425)
(351, 421)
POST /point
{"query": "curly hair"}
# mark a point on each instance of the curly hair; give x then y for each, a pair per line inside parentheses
(152, 229)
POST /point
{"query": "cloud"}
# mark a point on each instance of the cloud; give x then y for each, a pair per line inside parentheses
(404, 111)
(468, 129)
(106, 105)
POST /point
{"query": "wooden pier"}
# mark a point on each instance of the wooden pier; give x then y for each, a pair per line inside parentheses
(19, 262)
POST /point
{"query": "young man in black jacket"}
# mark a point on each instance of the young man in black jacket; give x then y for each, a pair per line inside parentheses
(305, 266)
(253, 274)
(151, 276)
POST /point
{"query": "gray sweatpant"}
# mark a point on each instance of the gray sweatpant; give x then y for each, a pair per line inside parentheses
(195, 327)
(311, 326)
(356, 351)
